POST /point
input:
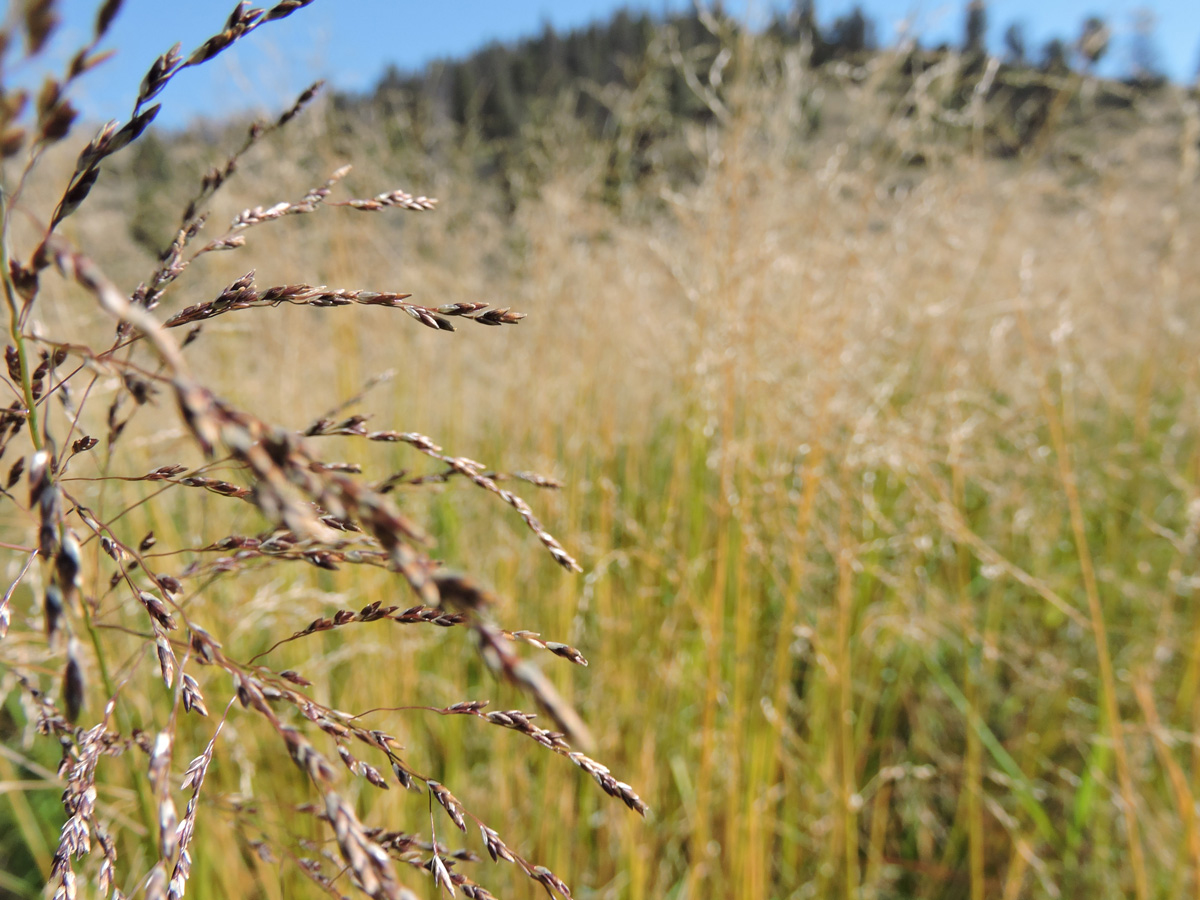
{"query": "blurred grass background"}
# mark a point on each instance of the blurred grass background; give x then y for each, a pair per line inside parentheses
(880, 453)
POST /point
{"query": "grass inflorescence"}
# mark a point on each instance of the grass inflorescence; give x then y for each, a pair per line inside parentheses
(114, 652)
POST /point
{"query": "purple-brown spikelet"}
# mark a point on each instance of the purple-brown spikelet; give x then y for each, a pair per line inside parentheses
(122, 657)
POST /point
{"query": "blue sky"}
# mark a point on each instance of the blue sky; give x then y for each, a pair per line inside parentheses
(350, 42)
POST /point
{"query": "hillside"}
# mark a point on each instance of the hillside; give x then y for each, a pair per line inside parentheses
(633, 89)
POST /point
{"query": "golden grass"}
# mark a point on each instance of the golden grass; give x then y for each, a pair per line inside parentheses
(884, 480)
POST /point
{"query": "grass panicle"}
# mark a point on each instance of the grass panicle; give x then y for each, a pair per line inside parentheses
(115, 609)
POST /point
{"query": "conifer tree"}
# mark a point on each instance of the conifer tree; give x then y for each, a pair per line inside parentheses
(975, 37)
(1015, 51)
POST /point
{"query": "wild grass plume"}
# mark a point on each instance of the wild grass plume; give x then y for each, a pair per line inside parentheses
(111, 654)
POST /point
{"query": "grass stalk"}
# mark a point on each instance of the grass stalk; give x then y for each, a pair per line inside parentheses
(15, 327)
(1185, 801)
(844, 704)
(973, 788)
(1108, 681)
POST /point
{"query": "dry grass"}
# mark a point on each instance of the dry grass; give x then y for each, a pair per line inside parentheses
(883, 480)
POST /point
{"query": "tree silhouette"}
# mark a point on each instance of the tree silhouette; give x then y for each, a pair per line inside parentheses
(852, 34)
(462, 93)
(806, 20)
(1054, 56)
(975, 36)
(500, 110)
(1015, 50)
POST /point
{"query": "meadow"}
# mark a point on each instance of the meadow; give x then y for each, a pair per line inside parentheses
(880, 456)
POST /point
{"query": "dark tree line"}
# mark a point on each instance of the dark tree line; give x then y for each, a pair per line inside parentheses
(500, 89)
(496, 88)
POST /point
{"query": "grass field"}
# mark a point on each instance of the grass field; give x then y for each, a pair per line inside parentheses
(885, 481)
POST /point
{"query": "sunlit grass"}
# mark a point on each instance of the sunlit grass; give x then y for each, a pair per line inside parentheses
(853, 454)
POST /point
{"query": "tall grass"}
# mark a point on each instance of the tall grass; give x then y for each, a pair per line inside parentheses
(883, 478)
